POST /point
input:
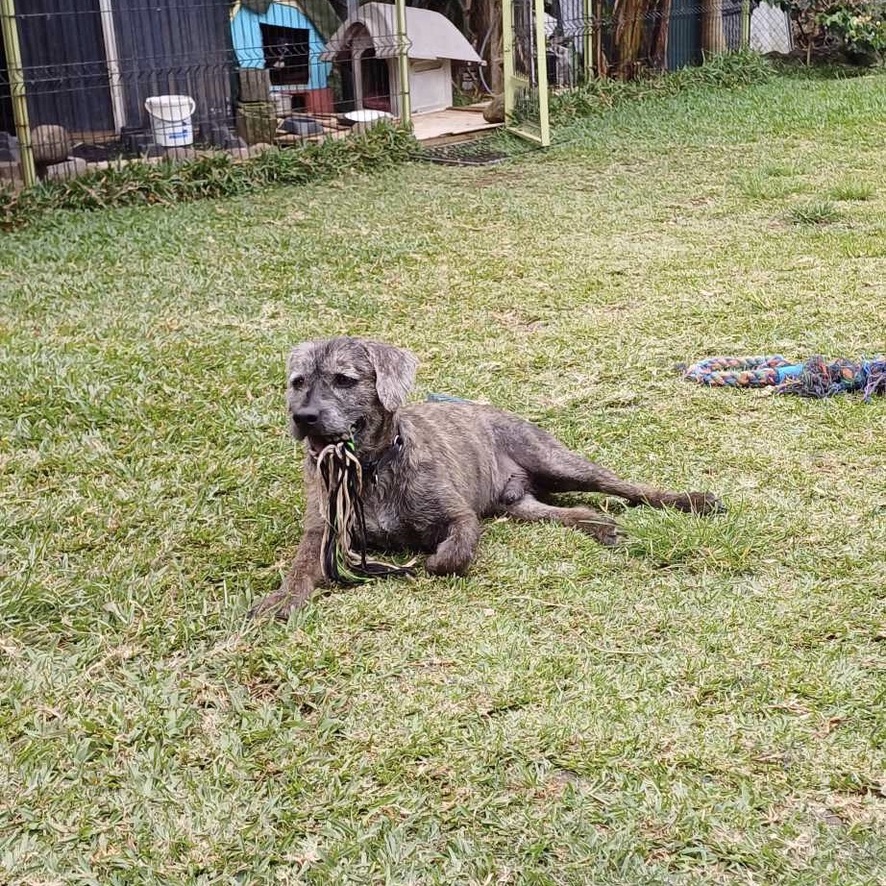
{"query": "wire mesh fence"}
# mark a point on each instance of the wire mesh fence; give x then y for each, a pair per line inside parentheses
(584, 39)
(594, 38)
(111, 80)
(94, 82)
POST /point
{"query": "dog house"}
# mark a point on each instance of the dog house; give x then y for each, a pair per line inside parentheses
(286, 41)
(365, 48)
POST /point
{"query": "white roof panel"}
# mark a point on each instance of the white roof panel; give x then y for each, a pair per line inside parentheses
(430, 34)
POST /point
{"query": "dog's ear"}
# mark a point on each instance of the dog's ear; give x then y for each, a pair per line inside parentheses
(394, 372)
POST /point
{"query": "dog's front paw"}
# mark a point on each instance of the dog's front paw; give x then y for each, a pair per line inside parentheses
(281, 604)
(447, 560)
(278, 605)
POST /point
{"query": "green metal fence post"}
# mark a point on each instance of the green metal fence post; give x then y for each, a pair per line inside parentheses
(745, 24)
(9, 24)
(403, 63)
(588, 39)
(542, 74)
(507, 55)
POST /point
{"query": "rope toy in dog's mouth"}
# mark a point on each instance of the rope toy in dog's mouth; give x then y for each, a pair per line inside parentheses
(343, 557)
(814, 378)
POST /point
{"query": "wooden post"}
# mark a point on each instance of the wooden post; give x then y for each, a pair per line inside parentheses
(17, 88)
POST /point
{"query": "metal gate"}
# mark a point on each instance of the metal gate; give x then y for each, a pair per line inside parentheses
(525, 70)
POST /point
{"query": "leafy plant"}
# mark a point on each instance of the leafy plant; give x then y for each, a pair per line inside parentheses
(857, 25)
(820, 213)
(727, 71)
(210, 176)
(851, 191)
(861, 26)
(806, 17)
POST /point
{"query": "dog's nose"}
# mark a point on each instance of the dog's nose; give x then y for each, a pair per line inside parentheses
(306, 416)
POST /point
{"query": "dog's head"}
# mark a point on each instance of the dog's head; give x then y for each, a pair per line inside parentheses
(343, 386)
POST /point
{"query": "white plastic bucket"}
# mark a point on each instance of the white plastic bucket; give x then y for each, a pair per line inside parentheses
(171, 119)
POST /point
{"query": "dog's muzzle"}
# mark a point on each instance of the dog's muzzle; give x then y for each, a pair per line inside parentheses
(318, 437)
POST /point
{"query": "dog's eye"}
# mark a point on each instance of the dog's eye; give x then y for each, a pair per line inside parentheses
(344, 381)
(296, 382)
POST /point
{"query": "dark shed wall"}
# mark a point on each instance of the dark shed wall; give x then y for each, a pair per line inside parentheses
(63, 56)
(684, 35)
(177, 47)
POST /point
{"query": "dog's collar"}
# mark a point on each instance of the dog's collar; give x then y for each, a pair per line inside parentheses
(372, 467)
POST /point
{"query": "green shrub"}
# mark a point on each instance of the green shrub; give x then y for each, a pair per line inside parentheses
(861, 26)
(213, 175)
(727, 70)
(820, 213)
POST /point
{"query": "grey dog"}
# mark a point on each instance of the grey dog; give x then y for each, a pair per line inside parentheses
(436, 468)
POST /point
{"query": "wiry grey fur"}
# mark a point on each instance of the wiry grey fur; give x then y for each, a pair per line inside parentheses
(459, 462)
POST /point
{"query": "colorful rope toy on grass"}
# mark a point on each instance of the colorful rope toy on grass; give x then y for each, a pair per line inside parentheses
(814, 378)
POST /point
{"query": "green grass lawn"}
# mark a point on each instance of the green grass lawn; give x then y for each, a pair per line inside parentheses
(705, 706)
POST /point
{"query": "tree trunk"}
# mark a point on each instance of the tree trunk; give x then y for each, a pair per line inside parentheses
(485, 19)
(630, 17)
(660, 36)
(713, 37)
(494, 52)
(601, 64)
